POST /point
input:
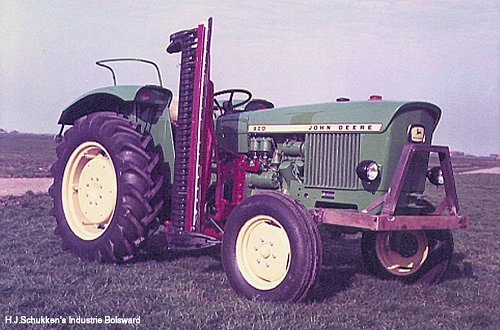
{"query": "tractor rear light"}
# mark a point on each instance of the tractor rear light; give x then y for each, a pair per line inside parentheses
(375, 98)
(368, 170)
(150, 102)
(435, 176)
(153, 95)
(144, 95)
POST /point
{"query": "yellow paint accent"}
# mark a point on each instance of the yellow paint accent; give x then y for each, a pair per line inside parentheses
(263, 252)
(417, 134)
(394, 262)
(315, 128)
(89, 190)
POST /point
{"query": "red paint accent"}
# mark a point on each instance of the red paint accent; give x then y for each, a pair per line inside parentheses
(240, 169)
(375, 98)
(191, 189)
(207, 143)
(167, 225)
(222, 205)
(237, 168)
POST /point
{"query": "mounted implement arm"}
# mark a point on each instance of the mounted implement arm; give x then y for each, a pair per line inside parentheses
(193, 154)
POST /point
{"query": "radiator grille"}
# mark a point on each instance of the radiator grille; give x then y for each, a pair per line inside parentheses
(331, 160)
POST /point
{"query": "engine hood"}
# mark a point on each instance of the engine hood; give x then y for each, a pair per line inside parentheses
(333, 117)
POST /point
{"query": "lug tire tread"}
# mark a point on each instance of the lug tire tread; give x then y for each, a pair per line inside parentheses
(310, 241)
(141, 187)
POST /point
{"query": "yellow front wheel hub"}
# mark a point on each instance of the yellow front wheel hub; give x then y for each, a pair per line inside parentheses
(89, 190)
(263, 252)
(402, 256)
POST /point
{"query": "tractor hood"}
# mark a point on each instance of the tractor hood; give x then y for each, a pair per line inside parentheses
(374, 117)
(369, 117)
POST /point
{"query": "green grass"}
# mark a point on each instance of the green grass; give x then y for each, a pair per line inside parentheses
(38, 278)
(26, 155)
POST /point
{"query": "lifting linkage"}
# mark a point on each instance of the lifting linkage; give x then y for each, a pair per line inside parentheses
(194, 140)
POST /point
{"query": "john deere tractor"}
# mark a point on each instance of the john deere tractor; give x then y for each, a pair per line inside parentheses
(235, 171)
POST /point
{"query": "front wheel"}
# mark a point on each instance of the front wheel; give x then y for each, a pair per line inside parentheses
(410, 256)
(271, 249)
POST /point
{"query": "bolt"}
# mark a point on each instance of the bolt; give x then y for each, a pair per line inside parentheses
(268, 265)
(262, 239)
(255, 249)
(274, 256)
(258, 261)
(271, 243)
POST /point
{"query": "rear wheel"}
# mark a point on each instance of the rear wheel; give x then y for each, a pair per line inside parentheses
(410, 256)
(108, 188)
(271, 249)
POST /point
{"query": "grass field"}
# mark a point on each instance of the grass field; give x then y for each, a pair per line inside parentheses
(26, 155)
(38, 278)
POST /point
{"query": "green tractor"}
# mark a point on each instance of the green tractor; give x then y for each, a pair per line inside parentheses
(233, 171)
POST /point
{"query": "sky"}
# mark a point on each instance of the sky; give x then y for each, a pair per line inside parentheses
(290, 52)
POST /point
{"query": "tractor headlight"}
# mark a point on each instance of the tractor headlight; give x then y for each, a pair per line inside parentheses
(368, 170)
(435, 176)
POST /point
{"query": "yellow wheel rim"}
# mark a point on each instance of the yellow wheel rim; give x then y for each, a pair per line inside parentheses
(263, 252)
(397, 262)
(89, 190)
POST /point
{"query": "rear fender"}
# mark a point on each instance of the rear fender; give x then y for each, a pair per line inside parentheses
(119, 99)
(116, 99)
(131, 102)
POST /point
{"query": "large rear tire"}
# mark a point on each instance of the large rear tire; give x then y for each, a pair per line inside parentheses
(411, 256)
(271, 249)
(108, 189)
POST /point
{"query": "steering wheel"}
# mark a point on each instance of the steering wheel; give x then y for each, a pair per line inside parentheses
(228, 105)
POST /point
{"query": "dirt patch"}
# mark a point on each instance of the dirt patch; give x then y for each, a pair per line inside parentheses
(19, 186)
(493, 170)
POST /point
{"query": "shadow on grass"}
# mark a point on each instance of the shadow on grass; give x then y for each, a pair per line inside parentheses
(342, 261)
(458, 269)
(156, 248)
